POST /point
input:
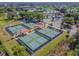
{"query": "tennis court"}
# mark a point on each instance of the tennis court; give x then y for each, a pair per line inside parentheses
(30, 25)
(14, 29)
(33, 41)
(51, 33)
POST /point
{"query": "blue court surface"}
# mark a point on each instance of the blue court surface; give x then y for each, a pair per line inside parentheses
(35, 40)
(15, 29)
(30, 25)
(51, 33)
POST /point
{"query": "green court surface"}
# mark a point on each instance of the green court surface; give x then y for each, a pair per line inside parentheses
(30, 25)
(15, 29)
(49, 32)
(33, 41)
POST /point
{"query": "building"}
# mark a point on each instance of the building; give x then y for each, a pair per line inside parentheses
(73, 30)
(57, 22)
(26, 8)
(53, 17)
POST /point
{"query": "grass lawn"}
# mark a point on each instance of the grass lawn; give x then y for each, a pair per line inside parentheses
(51, 46)
(2, 21)
(8, 44)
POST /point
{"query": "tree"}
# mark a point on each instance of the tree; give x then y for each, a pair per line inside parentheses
(63, 10)
(12, 14)
(0, 42)
(19, 51)
(3, 9)
(67, 22)
(39, 15)
(32, 15)
(67, 36)
(71, 53)
(77, 36)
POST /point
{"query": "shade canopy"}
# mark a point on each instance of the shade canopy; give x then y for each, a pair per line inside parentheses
(24, 31)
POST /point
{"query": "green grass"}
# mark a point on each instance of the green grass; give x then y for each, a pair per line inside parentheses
(8, 44)
(3, 19)
(51, 46)
(3, 22)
